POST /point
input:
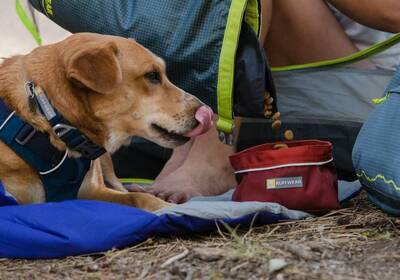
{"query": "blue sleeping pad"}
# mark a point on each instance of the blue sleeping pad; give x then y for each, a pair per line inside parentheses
(59, 229)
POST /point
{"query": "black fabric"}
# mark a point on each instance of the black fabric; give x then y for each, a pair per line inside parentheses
(252, 76)
(141, 159)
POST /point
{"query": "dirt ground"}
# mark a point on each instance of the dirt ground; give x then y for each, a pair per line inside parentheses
(358, 242)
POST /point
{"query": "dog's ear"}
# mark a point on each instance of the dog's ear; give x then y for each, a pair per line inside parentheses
(95, 66)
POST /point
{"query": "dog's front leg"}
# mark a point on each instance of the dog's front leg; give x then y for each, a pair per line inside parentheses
(110, 178)
(93, 188)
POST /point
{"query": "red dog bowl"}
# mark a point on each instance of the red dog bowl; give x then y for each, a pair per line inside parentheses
(299, 176)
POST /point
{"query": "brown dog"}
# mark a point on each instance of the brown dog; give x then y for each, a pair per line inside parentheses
(111, 89)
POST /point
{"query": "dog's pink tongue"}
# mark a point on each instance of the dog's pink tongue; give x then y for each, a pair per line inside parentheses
(204, 116)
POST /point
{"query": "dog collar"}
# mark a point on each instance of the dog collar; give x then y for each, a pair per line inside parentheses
(70, 135)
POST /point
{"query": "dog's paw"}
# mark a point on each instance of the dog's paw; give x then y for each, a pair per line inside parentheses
(147, 201)
(157, 204)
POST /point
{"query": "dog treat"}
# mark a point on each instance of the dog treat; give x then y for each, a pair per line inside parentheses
(280, 146)
(267, 113)
(276, 116)
(289, 135)
(276, 124)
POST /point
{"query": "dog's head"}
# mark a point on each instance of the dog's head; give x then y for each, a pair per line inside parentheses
(127, 90)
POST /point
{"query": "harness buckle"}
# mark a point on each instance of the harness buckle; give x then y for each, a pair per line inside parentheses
(26, 134)
(61, 129)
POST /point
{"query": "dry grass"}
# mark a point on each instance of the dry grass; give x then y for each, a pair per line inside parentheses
(358, 242)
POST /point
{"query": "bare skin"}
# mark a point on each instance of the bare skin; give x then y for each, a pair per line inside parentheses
(305, 31)
(215, 175)
(293, 32)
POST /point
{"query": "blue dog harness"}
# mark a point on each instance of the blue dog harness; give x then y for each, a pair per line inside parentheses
(61, 176)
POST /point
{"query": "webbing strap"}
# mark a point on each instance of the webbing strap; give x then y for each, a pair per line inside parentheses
(27, 22)
(227, 65)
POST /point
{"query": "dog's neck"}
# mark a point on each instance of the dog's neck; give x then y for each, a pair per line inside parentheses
(70, 101)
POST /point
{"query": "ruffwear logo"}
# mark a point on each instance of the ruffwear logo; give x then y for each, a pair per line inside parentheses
(284, 183)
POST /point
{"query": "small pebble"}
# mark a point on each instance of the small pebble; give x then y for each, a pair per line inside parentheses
(208, 254)
(276, 124)
(280, 146)
(276, 265)
(93, 268)
(276, 116)
(288, 135)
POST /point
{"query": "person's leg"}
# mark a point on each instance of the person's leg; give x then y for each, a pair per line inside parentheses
(303, 31)
(200, 167)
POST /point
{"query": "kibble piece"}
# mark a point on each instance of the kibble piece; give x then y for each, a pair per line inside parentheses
(269, 107)
(280, 146)
(276, 124)
(267, 113)
(289, 135)
(270, 100)
(276, 116)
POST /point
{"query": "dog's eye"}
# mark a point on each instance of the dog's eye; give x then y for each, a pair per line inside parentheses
(153, 77)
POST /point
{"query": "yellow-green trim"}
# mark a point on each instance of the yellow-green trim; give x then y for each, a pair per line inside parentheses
(27, 22)
(390, 182)
(370, 51)
(48, 7)
(226, 66)
(136, 181)
(382, 99)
